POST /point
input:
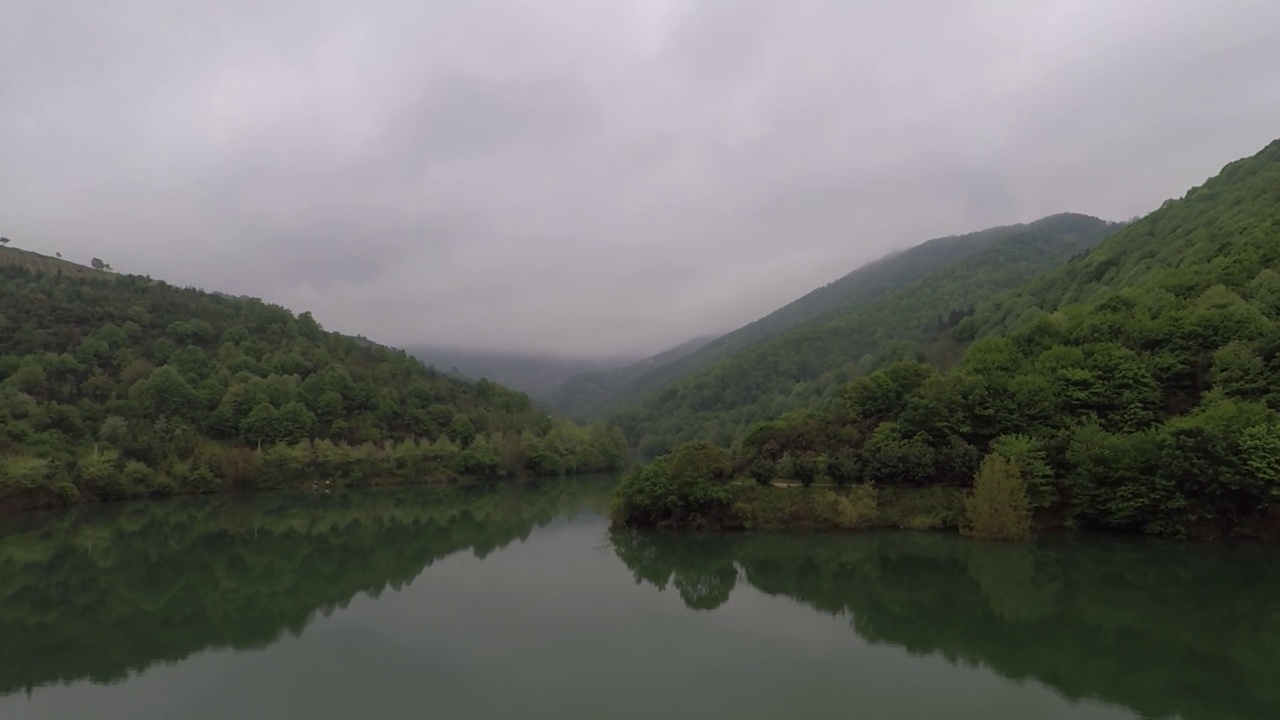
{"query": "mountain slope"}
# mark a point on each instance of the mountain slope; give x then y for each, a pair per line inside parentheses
(779, 374)
(585, 395)
(117, 386)
(1221, 232)
(860, 287)
(1135, 388)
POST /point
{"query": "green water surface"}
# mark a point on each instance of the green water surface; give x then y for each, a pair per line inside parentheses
(518, 601)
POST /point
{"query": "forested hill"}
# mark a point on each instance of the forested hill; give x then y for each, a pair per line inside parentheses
(813, 360)
(857, 289)
(1135, 388)
(118, 386)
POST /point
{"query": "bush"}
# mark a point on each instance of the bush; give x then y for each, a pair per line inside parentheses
(239, 467)
(856, 510)
(66, 492)
(806, 469)
(202, 480)
(998, 508)
(137, 477)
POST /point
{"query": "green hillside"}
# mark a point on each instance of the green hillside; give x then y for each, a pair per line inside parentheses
(118, 386)
(857, 289)
(812, 360)
(1135, 388)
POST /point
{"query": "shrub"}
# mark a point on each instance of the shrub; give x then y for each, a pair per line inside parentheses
(239, 467)
(856, 510)
(137, 477)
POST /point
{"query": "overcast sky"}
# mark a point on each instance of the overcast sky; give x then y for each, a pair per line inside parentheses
(596, 177)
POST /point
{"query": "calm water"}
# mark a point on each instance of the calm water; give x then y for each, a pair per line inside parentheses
(519, 602)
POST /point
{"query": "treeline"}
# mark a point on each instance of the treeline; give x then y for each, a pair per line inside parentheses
(1150, 404)
(119, 386)
(811, 362)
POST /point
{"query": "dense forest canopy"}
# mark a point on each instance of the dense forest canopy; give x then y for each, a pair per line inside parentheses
(902, 302)
(1137, 387)
(116, 386)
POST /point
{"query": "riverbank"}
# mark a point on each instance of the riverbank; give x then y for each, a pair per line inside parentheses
(792, 507)
(159, 487)
(859, 507)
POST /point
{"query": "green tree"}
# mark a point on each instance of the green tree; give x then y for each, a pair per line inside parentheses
(262, 426)
(998, 507)
(1027, 454)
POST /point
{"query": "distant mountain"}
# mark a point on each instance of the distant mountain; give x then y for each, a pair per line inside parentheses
(586, 395)
(857, 289)
(538, 375)
(880, 321)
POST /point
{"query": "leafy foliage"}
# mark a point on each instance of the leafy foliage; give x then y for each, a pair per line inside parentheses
(684, 488)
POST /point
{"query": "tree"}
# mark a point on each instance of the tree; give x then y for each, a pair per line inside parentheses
(4, 241)
(762, 471)
(805, 469)
(165, 393)
(262, 425)
(97, 264)
(1027, 454)
(998, 507)
(700, 460)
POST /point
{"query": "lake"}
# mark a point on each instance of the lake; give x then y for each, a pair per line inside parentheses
(519, 601)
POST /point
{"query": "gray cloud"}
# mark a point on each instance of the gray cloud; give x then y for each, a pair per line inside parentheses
(585, 177)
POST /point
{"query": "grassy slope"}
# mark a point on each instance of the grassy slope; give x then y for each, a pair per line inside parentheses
(35, 262)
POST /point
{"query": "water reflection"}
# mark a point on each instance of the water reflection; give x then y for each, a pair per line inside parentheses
(1166, 629)
(1163, 629)
(103, 592)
